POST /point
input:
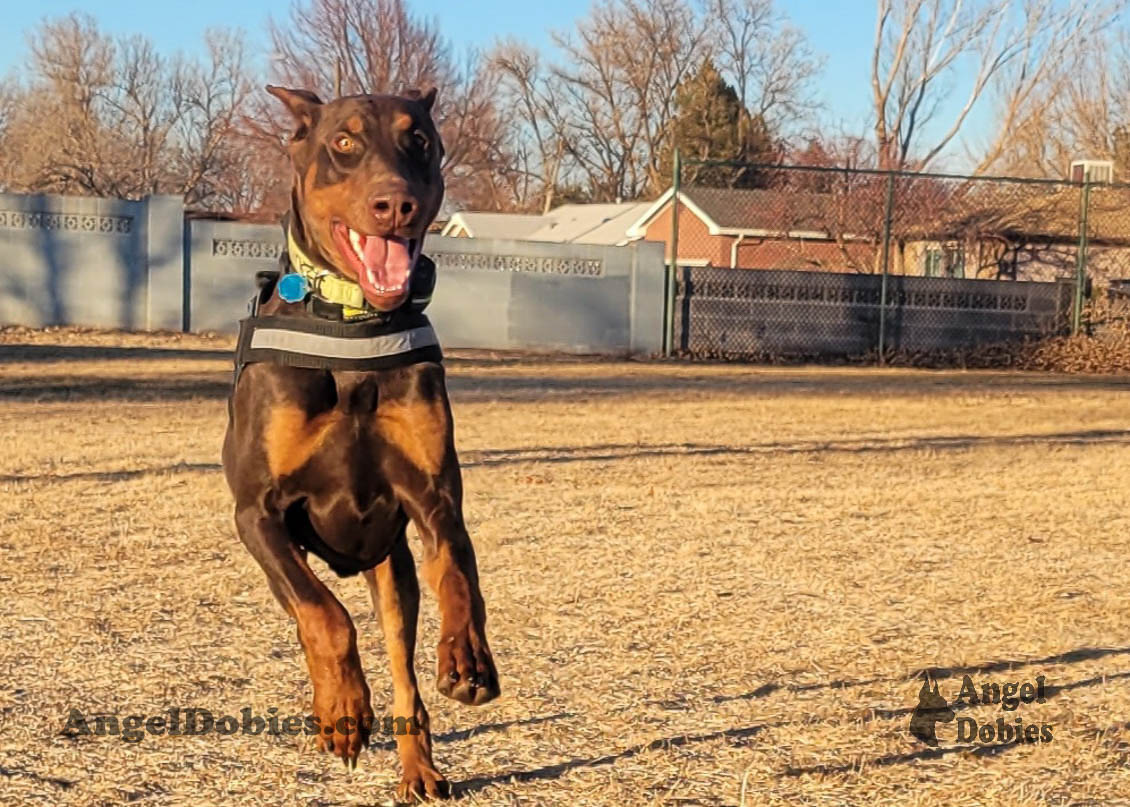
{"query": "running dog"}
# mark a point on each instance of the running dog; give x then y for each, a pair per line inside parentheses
(336, 462)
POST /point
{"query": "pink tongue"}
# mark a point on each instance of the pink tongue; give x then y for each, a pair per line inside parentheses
(389, 259)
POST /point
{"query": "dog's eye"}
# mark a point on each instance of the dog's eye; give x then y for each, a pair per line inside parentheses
(345, 144)
(420, 141)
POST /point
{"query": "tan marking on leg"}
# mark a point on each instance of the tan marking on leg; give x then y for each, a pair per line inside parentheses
(342, 700)
(465, 669)
(396, 596)
(292, 438)
(420, 430)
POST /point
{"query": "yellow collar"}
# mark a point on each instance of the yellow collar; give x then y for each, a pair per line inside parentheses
(326, 283)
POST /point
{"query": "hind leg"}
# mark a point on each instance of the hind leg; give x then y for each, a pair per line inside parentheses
(396, 597)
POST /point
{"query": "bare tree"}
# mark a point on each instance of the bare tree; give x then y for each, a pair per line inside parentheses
(520, 132)
(126, 122)
(1015, 50)
(618, 83)
(378, 46)
(601, 119)
(358, 46)
(72, 66)
(540, 131)
(211, 166)
(1087, 115)
(12, 97)
(768, 61)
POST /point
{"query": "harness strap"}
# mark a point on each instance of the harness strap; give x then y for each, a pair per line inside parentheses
(318, 344)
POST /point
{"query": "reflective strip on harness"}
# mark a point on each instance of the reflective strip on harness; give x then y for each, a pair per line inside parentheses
(336, 347)
(402, 339)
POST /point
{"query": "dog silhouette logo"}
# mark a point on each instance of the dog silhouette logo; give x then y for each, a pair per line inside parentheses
(931, 710)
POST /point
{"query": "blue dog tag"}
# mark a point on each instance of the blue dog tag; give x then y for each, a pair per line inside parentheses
(293, 288)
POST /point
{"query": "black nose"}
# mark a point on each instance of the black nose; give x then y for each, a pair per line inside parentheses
(394, 210)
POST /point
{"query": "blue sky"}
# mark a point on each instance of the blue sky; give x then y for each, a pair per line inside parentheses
(841, 30)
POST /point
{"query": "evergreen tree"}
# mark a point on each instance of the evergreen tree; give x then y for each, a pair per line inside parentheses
(710, 124)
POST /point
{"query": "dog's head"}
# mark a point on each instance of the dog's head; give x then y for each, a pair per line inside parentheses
(367, 184)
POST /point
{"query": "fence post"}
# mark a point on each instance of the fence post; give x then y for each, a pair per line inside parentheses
(186, 282)
(887, 216)
(673, 264)
(1081, 255)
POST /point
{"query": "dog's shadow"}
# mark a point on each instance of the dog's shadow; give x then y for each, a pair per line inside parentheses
(557, 769)
(462, 735)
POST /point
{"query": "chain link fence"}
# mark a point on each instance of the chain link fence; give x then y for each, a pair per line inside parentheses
(790, 261)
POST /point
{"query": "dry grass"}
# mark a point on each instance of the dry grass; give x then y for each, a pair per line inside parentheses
(694, 574)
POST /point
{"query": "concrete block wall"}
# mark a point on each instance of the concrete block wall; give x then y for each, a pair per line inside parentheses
(504, 295)
(142, 265)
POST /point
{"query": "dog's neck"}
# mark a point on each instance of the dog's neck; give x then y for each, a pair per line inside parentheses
(299, 240)
(324, 279)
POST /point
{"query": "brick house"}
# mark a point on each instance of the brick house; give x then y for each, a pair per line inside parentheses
(760, 229)
(972, 230)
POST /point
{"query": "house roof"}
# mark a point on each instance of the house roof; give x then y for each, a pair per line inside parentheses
(604, 224)
(1056, 214)
(515, 226)
(923, 209)
(737, 209)
(760, 212)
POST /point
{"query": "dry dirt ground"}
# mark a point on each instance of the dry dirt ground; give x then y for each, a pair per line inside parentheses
(701, 580)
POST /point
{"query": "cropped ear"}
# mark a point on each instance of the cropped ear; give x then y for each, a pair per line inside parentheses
(428, 99)
(303, 105)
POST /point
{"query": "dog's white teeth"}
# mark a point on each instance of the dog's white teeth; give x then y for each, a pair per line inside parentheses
(357, 244)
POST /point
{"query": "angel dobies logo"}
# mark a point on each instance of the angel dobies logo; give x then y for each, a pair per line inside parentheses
(933, 709)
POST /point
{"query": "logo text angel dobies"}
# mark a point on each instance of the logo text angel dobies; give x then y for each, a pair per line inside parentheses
(933, 708)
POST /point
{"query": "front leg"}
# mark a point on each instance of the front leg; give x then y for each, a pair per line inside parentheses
(341, 695)
(424, 472)
(465, 667)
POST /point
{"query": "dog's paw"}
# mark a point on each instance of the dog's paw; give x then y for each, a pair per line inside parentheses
(345, 720)
(465, 670)
(422, 782)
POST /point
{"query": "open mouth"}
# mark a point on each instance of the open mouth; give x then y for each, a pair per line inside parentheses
(383, 264)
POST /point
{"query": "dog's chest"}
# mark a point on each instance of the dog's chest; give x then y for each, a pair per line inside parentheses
(335, 463)
(356, 439)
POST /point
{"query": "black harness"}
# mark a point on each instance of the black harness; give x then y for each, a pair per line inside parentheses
(326, 340)
(318, 344)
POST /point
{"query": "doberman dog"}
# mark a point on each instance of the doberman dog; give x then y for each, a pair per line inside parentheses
(343, 459)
